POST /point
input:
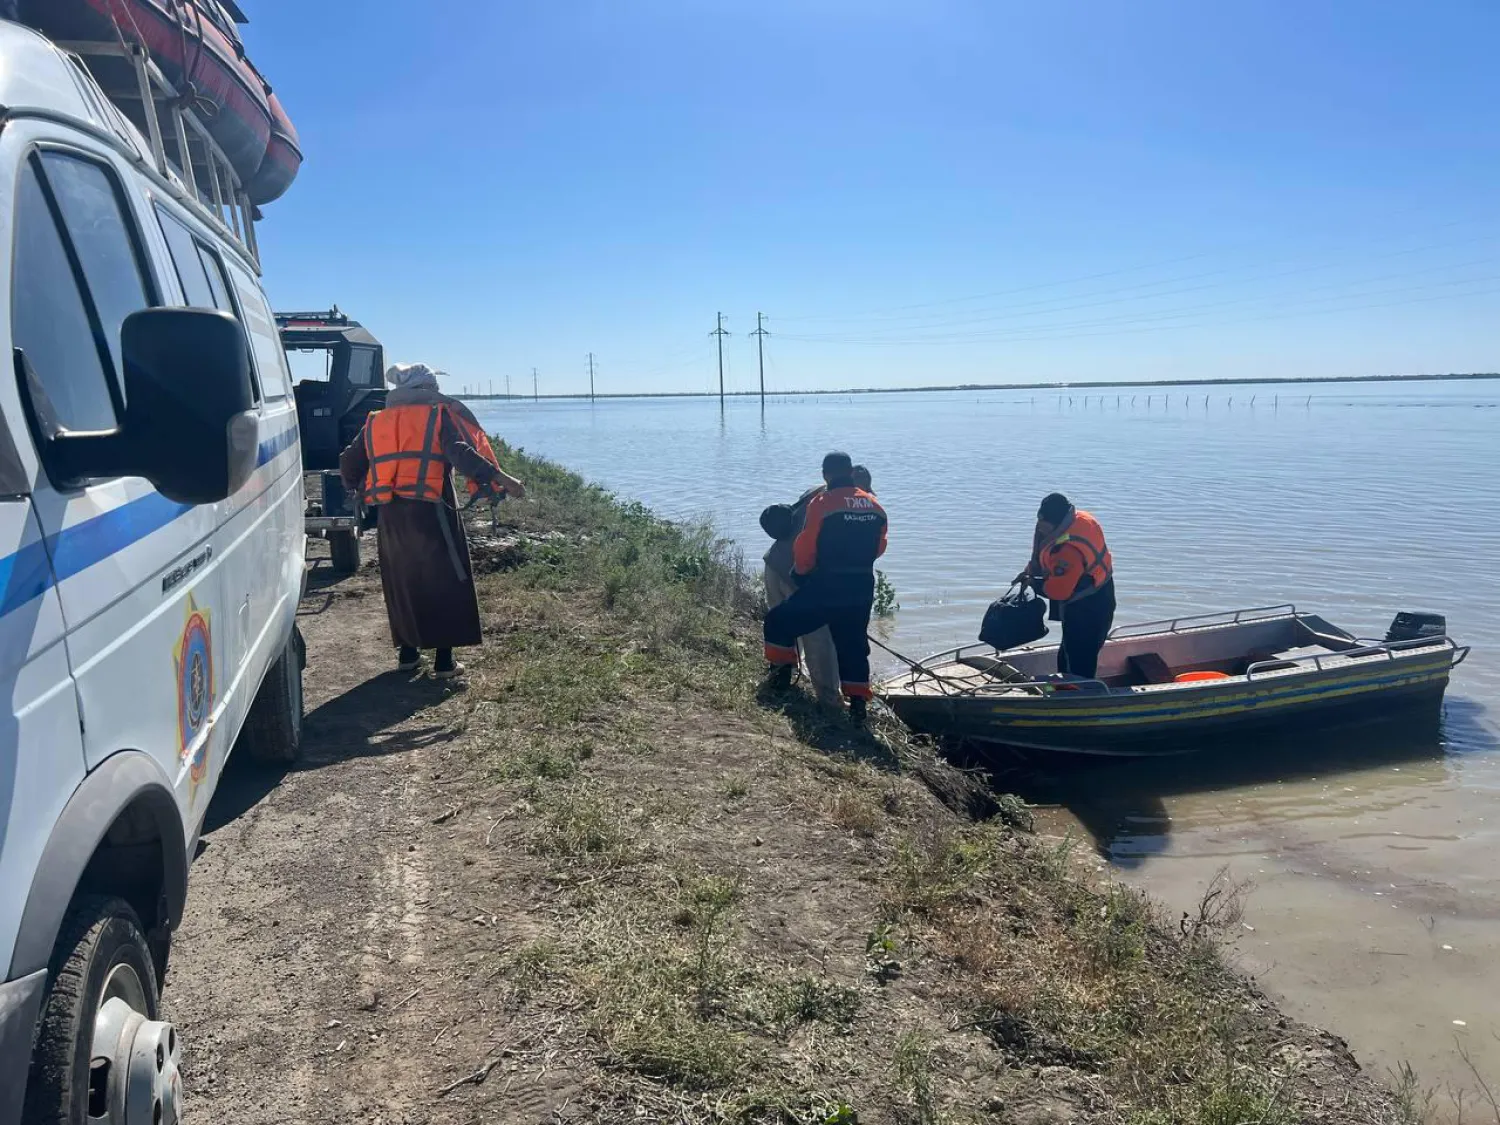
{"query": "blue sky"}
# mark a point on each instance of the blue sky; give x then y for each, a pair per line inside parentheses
(913, 193)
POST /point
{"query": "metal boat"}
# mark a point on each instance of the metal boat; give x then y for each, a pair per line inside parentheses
(1175, 686)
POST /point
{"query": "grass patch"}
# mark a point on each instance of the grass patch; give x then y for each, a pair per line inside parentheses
(937, 865)
(581, 824)
(649, 1031)
(544, 761)
(1234, 1097)
(678, 587)
(810, 999)
(856, 813)
(706, 903)
(913, 1067)
(678, 953)
(661, 998)
(1092, 977)
(562, 685)
(735, 786)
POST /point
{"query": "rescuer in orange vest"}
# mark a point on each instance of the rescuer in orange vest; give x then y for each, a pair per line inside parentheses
(1071, 566)
(403, 461)
(843, 532)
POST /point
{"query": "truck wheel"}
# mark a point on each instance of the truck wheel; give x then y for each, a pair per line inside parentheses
(343, 546)
(101, 1053)
(273, 729)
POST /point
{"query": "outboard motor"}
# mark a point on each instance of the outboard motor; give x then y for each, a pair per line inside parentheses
(1412, 626)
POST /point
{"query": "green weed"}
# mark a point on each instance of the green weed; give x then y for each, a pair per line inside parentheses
(936, 866)
(809, 999)
(886, 604)
(706, 903)
(735, 786)
(881, 948)
(913, 1066)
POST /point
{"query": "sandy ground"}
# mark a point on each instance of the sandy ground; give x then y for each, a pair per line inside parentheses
(308, 909)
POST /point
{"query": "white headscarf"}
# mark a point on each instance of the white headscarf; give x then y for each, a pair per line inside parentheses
(414, 376)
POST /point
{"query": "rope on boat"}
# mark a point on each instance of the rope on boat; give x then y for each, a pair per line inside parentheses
(908, 661)
(951, 685)
(944, 682)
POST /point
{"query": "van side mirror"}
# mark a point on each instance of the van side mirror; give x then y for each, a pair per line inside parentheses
(190, 424)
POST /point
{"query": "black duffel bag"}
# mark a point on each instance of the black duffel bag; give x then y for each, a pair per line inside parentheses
(1016, 619)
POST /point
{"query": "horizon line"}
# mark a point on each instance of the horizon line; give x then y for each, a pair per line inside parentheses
(1270, 381)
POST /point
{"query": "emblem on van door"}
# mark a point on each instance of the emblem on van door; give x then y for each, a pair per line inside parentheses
(193, 660)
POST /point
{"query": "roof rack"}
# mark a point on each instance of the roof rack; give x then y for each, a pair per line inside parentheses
(332, 318)
(183, 151)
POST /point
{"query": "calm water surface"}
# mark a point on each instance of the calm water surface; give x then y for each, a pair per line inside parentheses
(1376, 908)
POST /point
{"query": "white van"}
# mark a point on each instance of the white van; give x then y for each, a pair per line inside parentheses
(151, 561)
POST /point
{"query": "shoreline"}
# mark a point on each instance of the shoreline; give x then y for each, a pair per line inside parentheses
(605, 880)
(1289, 380)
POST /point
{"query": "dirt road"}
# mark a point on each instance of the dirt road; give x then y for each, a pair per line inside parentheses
(308, 911)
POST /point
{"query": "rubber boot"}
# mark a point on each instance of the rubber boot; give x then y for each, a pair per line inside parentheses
(857, 708)
(779, 677)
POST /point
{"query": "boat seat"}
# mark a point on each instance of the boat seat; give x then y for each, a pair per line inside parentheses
(1148, 668)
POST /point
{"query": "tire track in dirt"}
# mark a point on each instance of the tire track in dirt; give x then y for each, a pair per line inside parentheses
(307, 910)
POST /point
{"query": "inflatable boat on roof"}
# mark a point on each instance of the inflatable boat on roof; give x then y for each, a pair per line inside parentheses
(197, 48)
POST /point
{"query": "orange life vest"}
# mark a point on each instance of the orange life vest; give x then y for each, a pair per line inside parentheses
(1080, 541)
(480, 441)
(404, 445)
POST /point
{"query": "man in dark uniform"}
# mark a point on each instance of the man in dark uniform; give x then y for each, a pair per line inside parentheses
(843, 533)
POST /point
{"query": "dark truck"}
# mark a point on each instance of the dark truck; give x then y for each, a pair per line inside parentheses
(331, 411)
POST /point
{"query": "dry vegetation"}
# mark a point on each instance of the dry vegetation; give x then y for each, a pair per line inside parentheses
(717, 908)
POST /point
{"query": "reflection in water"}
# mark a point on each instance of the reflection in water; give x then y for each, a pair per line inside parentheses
(1124, 807)
(1467, 728)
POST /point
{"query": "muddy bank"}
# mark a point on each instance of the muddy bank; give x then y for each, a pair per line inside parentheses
(604, 881)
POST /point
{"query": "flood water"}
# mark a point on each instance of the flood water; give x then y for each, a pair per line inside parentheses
(1376, 908)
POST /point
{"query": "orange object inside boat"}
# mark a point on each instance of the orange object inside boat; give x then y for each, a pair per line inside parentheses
(1198, 677)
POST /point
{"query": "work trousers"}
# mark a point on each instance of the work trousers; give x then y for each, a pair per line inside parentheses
(1085, 625)
(817, 647)
(843, 605)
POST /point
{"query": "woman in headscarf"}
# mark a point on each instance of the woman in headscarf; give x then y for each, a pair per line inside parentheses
(403, 461)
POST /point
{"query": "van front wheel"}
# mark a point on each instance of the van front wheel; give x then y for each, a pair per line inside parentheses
(101, 1052)
(273, 729)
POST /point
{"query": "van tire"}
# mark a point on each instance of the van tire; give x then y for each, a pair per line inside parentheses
(343, 547)
(273, 729)
(99, 934)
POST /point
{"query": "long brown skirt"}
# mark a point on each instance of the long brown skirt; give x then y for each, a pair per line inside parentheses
(430, 600)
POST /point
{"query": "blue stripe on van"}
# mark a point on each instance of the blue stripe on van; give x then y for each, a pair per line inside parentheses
(27, 573)
(23, 576)
(275, 446)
